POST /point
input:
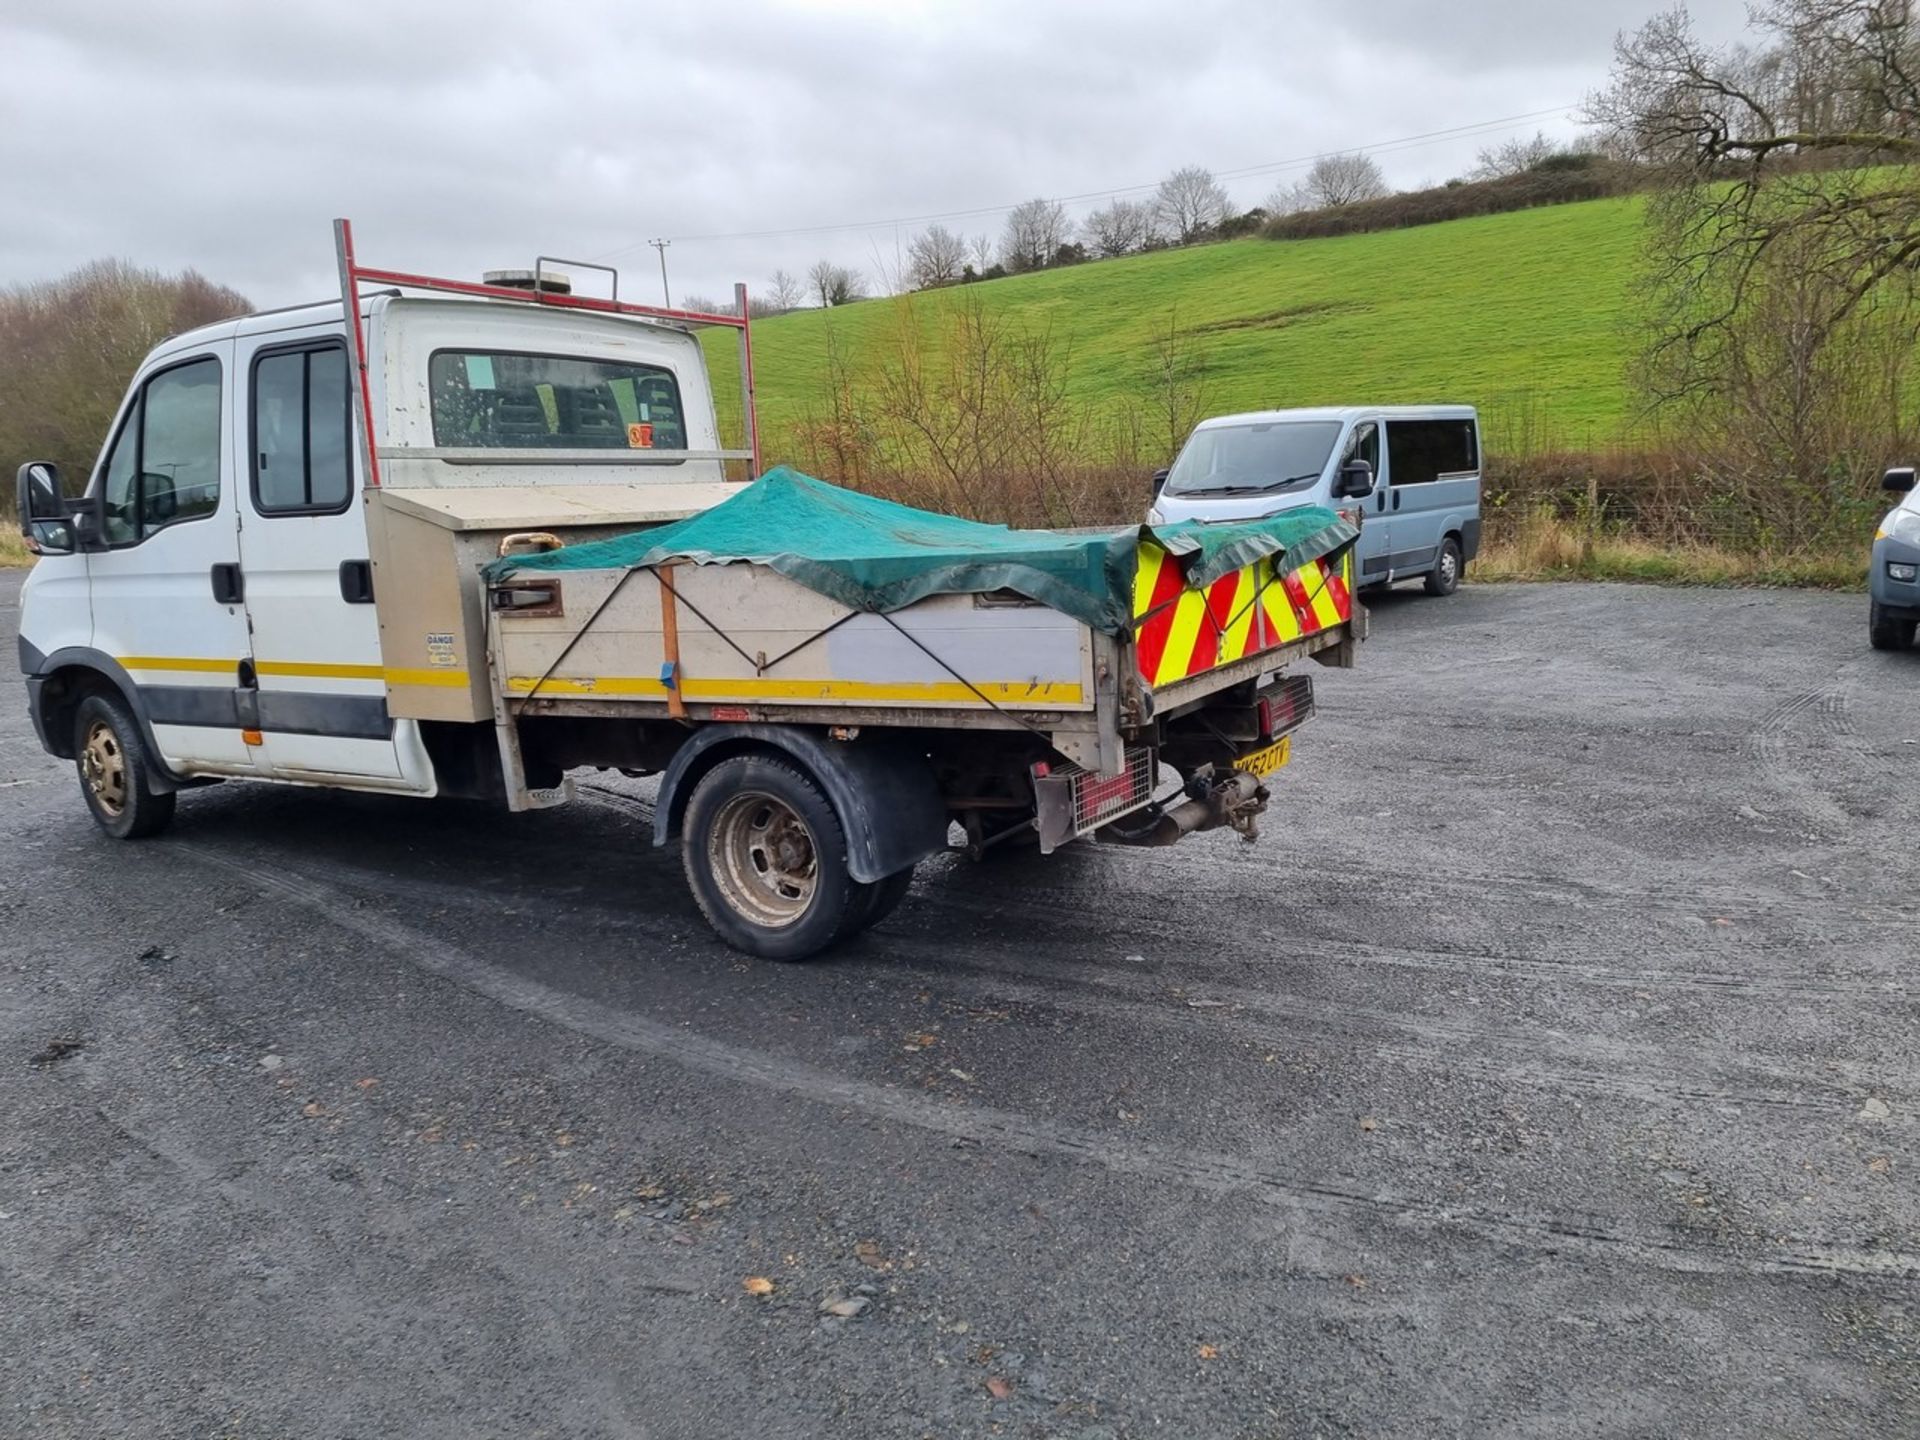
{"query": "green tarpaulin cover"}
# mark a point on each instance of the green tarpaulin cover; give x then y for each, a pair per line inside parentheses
(872, 554)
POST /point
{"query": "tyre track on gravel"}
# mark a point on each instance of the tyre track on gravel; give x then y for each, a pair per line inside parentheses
(1151, 993)
(1160, 996)
(1208, 1172)
(1821, 714)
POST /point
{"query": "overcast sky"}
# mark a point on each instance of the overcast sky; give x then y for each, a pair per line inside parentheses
(226, 134)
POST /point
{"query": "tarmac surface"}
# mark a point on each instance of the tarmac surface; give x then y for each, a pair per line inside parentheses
(1551, 1067)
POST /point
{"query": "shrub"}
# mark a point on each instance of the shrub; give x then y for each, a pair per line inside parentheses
(1549, 183)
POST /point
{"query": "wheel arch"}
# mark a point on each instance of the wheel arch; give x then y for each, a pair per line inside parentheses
(57, 683)
(884, 794)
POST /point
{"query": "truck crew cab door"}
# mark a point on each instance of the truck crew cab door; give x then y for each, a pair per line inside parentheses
(309, 591)
(165, 577)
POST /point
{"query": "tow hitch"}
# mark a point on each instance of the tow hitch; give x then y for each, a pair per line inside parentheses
(1237, 799)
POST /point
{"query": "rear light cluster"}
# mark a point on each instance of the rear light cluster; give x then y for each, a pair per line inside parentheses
(1285, 706)
(1071, 801)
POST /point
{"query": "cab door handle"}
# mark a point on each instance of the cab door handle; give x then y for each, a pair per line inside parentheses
(356, 582)
(1396, 499)
(228, 587)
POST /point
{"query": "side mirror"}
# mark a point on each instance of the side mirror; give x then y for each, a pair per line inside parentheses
(43, 519)
(1899, 479)
(1159, 480)
(39, 492)
(1355, 481)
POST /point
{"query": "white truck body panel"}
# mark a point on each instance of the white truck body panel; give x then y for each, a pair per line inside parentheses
(749, 636)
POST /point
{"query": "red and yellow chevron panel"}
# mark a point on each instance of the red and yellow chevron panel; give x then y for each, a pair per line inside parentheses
(1178, 631)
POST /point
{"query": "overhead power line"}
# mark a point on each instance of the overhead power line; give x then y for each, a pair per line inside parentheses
(1271, 167)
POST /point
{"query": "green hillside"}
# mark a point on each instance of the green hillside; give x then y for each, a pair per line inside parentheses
(1520, 313)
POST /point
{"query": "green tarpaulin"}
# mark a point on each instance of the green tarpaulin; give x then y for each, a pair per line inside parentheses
(872, 554)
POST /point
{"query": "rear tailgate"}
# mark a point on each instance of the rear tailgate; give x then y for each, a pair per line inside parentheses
(1190, 642)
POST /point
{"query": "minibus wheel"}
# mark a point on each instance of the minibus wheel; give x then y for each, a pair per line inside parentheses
(1444, 578)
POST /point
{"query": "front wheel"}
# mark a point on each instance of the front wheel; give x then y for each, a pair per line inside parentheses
(116, 770)
(1888, 632)
(1444, 578)
(766, 858)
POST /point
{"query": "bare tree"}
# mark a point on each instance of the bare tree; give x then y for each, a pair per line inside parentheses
(1512, 157)
(1179, 379)
(1337, 180)
(1761, 144)
(1784, 242)
(836, 284)
(935, 257)
(784, 293)
(1035, 230)
(1286, 199)
(980, 252)
(1121, 228)
(68, 347)
(1189, 203)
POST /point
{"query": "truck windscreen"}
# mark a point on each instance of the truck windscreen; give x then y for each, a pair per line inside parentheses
(495, 400)
(1241, 459)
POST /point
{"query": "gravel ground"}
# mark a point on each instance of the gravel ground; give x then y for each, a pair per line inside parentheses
(1547, 1069)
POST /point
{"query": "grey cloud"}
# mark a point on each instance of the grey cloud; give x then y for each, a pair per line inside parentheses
(226, 133)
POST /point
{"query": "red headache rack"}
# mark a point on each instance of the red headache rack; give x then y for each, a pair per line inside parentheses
(353, 275)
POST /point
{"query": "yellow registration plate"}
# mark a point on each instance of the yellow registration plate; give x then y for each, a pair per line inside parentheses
(1264, 762)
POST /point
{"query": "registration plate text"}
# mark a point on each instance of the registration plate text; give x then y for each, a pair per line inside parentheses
(1263, 763)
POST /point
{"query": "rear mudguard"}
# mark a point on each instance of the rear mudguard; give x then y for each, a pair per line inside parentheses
(884, 792)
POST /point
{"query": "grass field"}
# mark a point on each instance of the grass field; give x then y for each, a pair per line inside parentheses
(1521, 314)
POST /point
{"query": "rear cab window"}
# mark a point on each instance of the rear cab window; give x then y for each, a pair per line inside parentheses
(301, 425)
(1422, 451)
(507, 400)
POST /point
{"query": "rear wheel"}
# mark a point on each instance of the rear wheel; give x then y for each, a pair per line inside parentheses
(1888, 632)
(766, 858)
(874, 903)
(1444, 578)
(116, 771)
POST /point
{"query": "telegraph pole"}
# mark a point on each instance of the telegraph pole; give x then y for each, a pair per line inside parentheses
(661, 246)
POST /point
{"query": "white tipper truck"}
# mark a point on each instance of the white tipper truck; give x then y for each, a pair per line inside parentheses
(442, 538)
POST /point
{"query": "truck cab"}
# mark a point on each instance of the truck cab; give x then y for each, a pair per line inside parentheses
(219, 577)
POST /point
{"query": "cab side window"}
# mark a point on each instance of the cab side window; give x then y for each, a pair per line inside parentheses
(1425, 450)
(301, 422)
(164, 467)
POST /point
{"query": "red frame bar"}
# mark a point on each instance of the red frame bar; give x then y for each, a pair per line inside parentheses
(357, 347)
(354, 275)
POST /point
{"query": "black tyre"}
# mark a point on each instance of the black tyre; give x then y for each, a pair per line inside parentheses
(116, 771)
(766, 858)
(1888, 632)
(1448, 566)
(874, 903)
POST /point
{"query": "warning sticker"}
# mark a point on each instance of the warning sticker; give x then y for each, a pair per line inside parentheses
(440, 650)
(640, 436)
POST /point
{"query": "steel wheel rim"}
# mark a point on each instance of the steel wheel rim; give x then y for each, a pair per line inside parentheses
(103, 766)
(763, 857)
(1449, 567)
